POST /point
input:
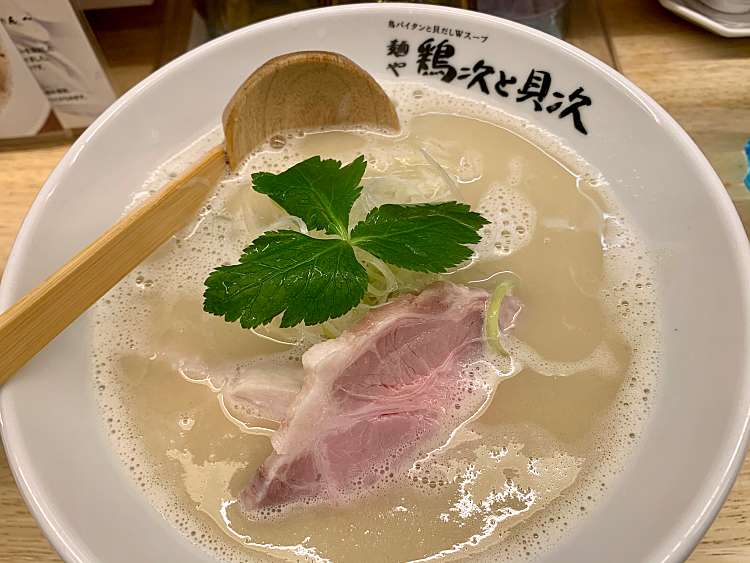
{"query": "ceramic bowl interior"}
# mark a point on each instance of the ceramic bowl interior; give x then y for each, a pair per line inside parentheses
(694, 441)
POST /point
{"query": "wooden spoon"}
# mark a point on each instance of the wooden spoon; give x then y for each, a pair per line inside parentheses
(309, 90)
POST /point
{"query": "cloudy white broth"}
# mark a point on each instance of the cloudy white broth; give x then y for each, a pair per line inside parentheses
(531, 437)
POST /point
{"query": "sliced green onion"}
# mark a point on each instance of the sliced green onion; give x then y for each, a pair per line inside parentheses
(327, 332)
(492, 319)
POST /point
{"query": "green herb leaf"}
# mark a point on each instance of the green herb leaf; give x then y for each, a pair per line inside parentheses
(308, 279)
(427, 237)
(320, 192)
(312, 280)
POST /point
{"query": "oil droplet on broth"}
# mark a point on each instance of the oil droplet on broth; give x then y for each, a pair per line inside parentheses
(547, 445)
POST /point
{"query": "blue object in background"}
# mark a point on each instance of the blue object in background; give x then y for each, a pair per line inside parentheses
(747, 155)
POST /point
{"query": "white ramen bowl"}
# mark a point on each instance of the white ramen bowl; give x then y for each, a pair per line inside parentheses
(695, 439)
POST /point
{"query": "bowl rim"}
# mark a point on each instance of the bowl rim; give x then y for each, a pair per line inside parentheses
(679, 544)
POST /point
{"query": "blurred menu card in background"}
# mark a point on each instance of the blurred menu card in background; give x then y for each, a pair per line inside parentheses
(24, 109)
(56, 51)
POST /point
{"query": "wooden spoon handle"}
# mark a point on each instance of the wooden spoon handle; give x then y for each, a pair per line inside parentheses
(42, 314)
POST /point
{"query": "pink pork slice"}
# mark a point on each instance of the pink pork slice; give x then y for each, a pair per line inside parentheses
(375, 399)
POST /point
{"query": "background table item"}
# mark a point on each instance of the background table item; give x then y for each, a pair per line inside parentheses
(700, 78)
(550, 16)
(726, 23)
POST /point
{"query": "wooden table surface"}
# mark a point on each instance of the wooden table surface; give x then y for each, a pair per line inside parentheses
(701, 79)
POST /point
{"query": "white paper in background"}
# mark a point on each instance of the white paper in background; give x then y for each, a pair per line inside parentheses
(24, 108)
(49, 36)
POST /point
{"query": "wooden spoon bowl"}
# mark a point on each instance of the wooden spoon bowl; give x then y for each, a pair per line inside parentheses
(302, 92)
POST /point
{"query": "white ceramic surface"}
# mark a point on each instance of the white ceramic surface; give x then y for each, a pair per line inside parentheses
(726, 23)
(728, 6)
(695, 439)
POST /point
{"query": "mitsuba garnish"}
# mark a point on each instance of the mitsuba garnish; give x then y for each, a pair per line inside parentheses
(312, 279)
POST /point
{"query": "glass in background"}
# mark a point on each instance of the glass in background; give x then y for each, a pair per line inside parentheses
(223, 16)
(578, 21)
(550, 16)
(467, 4)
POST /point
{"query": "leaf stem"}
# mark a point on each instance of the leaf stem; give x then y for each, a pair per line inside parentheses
(492, 318)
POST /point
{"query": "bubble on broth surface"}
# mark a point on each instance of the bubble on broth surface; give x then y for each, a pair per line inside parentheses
(547, 493)
(512, 218)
